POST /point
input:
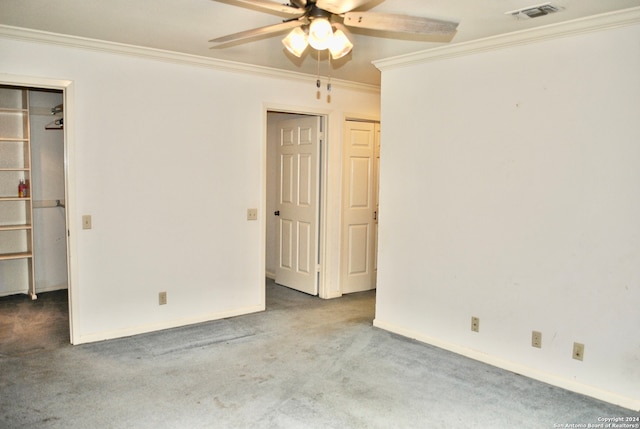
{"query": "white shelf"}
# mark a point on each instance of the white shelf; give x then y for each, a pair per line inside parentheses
(12, 256)
(5, 110)
(13, 139)
(16, 198)
(15, 227)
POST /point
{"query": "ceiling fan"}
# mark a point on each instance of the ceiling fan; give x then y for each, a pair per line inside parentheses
(321, 24)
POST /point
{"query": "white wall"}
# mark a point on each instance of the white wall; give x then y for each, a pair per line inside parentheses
(47, 183)
(510, 185)
(168, 156)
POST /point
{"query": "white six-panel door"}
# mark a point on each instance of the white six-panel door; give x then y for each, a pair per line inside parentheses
(297, 204)
(361, 155)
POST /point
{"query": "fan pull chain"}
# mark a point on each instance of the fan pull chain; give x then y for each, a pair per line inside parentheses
(319, 82)
(329, 76)
(318, 72)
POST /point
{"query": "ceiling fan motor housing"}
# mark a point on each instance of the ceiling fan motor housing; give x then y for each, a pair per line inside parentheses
(316, 12)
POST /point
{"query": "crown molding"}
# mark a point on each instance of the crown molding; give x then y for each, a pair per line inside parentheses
(30, 35)
(593, 23)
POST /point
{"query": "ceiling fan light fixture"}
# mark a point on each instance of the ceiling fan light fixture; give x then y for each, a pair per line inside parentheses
(320, 33)
(296, 41)
(340, 45)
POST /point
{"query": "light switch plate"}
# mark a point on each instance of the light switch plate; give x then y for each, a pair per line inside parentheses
(252, 214)
(86, 222)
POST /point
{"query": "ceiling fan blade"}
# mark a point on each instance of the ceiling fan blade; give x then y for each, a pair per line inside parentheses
(267, 5)
(340, 6)
(299, 3)
(399, 23)
(248, 34)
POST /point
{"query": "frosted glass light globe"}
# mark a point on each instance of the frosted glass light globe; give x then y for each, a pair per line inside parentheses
(296, 41)
(320, 33)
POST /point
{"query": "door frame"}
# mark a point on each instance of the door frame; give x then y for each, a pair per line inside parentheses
(67, 88)
(323, 291)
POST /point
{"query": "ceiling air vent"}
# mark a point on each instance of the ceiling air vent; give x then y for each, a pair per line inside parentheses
(534, 11)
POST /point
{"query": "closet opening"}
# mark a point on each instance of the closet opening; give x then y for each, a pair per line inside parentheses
(34, 254)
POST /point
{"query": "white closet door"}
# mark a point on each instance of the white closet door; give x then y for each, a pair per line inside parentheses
(361, 158)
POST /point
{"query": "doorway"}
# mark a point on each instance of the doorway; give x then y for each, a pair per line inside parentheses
(356, 244)
(47, 200)
(293, 199)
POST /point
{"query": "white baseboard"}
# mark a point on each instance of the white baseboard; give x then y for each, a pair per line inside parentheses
(14, 292)
(553, 379)
(38, 290)
(50, 288)
(143, 329)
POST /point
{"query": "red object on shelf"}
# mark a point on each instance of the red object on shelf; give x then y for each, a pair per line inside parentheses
(22, 189)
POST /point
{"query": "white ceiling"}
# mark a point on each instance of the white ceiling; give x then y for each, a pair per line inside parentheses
(187, 25)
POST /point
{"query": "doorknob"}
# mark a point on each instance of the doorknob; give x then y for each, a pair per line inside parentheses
(277, 213)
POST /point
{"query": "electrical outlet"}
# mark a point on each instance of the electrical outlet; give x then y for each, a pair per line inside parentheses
(475, 324)
(578, 351)
(86, 221)
(536, 339)
(162, 298)
(252, 214)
